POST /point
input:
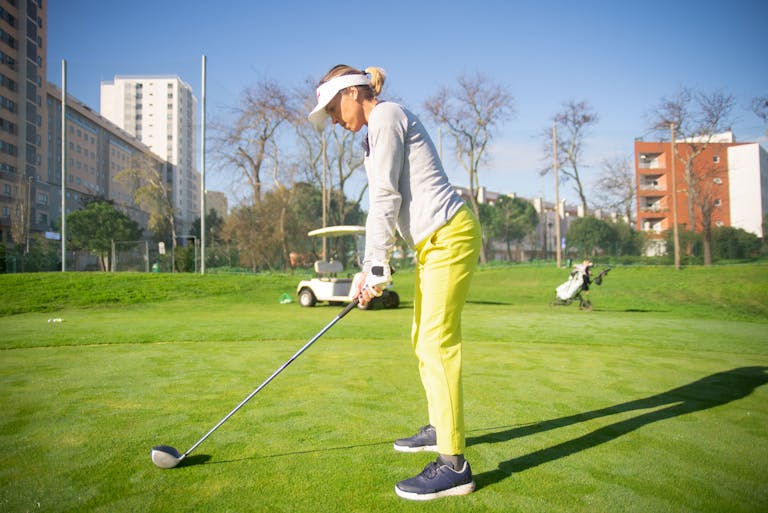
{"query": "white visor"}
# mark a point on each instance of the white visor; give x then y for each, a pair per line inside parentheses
(328, 91)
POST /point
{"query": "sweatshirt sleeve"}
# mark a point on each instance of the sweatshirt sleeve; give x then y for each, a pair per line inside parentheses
(384, 166)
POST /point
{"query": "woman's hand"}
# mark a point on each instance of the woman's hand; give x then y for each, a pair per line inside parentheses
(363, 289)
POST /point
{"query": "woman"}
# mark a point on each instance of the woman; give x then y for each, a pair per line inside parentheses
(409, 192)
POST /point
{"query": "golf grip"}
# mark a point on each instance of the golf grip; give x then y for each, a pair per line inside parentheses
(328, 326)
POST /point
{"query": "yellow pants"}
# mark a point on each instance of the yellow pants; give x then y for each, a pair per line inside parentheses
(445, 264)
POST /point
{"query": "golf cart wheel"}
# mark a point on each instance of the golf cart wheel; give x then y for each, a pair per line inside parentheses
(391, 299)
(585, 305)
(307, 298)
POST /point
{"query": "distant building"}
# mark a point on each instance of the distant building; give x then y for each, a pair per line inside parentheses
(543, 242)
(733, 175)
(24, 193)
(160, 111)
(97, 151)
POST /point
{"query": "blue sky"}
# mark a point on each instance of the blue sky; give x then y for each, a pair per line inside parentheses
(620, 57)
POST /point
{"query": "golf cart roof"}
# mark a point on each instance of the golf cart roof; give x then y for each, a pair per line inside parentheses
(337, 231)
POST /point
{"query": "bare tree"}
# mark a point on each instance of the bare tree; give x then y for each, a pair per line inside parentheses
(705, 199)
(697, 118)
(283, 179)
(471, 112)
(573, 124)
(616, 187)
(147, 179)
(760, 108)
(245, 142)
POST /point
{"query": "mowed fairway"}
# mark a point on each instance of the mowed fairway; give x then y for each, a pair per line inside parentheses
(655, 401)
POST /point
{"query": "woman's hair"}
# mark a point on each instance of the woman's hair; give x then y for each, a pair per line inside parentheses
(376, 74)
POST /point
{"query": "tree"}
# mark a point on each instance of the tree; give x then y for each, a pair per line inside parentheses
(616, 188)
(760, 108)
(704, 197)
(213, 227)
(572, 124)
(628, 240)
(591, 236)
(96, 226)
(250, 141)
(257, 236)
(730, 243)
(149, 180)
(509, 219)
(696, 117)
(471, 112)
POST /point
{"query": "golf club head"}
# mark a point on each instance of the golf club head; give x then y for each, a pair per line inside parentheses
(165, 456)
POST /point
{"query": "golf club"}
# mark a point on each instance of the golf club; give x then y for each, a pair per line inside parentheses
(165, 456)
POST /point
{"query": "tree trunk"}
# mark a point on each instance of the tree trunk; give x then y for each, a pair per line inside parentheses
(707, 247)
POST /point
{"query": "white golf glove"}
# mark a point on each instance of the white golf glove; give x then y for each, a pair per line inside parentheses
(377, 276)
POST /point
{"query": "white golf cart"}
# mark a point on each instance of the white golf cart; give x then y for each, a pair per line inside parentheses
(329, 284)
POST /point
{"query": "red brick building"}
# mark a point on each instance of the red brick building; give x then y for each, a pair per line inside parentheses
(732, 178)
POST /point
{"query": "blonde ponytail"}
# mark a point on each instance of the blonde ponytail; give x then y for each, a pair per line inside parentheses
(378, 76)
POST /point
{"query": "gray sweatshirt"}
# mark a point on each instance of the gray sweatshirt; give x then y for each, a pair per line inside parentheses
(408, 189)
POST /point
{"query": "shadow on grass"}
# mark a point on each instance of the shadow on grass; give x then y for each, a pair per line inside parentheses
(708, 392)
(305, 451)
(197, 459)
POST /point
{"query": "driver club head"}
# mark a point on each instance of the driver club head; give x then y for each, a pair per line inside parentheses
(165, 456)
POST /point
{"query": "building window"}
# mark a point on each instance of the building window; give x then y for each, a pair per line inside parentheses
(716, 159)
(717, 180)
(718, 202)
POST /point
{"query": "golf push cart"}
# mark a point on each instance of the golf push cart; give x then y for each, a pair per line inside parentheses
(577, 286)
(329, 284)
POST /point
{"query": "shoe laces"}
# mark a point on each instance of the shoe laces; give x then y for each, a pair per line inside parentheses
(430, 471)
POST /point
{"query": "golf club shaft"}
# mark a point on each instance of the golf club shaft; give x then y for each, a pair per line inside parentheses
(341, 314)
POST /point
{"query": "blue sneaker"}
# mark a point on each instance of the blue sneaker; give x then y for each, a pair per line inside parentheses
(424, 440)
(438, 479)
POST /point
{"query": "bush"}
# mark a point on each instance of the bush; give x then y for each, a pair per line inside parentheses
(730, 243)
(591, 237)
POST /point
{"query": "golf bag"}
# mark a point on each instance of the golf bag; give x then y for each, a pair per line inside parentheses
(577, 285)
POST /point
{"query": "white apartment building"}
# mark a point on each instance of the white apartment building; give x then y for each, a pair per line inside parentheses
(160, 111)
(748, 187)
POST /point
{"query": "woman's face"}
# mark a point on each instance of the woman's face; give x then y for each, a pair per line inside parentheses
(346, 110)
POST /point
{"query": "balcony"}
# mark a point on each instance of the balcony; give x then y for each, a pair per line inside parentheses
(651, 161)
(653, 209)
(652, 182)
(653, 225)
(654, 204)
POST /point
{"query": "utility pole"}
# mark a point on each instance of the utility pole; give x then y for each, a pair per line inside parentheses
(558, 236)
(675, 234)
(63, 165)
(202, 175)
(325, 193)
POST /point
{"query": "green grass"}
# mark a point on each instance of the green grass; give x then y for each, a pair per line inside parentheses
(654, 401)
